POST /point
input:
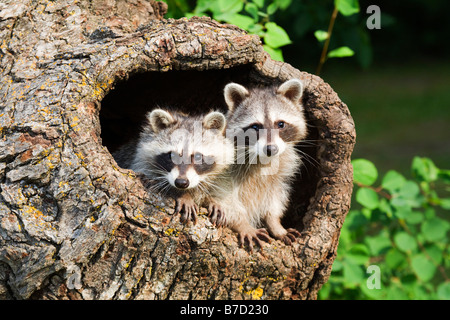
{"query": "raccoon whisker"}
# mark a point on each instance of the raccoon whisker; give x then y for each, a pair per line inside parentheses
(204, 188)
(311, 160)
(210, 185)
(155, 175)
(252, 159)
(161, 187)
(159, 180)
(165, 190)
(244, 168)
(309, 125)
(299, 171)
(207, 182)
(304, 142)
(158, 167)
(241, 158)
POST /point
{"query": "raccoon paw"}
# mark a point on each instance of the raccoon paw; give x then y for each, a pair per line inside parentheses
(290, 236)
(216, 214)
(188, 210)
(254, 235)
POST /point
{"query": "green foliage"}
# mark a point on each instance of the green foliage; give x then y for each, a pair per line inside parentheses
(254, 16)
(283, 22)
(340, 52)
(269, 19)
(347, 7)
(400, 227)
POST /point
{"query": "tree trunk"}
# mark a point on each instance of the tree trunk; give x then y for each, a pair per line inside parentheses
(76, 78)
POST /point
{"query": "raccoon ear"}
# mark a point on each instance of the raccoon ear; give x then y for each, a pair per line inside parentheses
(234, 94)
(214, 120)
(291, 89)
(160, 120)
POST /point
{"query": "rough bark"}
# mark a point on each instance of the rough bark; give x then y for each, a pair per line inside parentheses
(73, 225)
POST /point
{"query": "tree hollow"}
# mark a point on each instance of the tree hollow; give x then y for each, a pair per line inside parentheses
(74, 225)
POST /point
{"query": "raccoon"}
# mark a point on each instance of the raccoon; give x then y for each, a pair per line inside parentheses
(265, 125)
(186, 157)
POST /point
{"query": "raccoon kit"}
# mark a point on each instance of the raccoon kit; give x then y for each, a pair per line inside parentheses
(186, 157)
(266, 124)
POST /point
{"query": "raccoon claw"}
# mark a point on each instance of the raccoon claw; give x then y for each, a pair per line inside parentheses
(188, 211)
(216, 215)
(290, 236)
(254, 235)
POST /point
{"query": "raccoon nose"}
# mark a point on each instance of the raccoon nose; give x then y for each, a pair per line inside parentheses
(181, 183)
(271, 150)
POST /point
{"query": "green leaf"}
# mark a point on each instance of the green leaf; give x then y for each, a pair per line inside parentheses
(419, 292)
(358, 254)
(415, 217)
(393, 181)
(385, 207)
(347, 7)
(445, 203)
(378, 244)
(430, 213)
(230, 6)
(353, 273)
(435, 252)
(263, 14)
(423, 267)
(409, 190)
(341, 52)
(202, 6)
(252, 9)
(367, 197)
(408, 195)
(275, 36)
(395, 292)
(443, 291)
(275, 54)
(444, 175)
(256, 29)
(434, 229)
(424, 169)
(243, 22)
(405, 242)
(337, 266)
(394, 258)
(402, 212)
(355, 219)
(321, 35)
(364, 172)
(283, 4)
(272, 8)
(375, 294)
(199, 14)
(324, 293)
(259, 3)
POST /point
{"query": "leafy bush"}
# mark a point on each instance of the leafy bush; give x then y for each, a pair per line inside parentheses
(257, 17)
(253, 16)
(395, 245)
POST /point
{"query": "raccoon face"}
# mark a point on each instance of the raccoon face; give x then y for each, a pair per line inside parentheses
(265, 121)
(184, 172)
(184, 152)
(268, 141)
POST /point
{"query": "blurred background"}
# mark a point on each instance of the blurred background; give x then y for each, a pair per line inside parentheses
(395, 79)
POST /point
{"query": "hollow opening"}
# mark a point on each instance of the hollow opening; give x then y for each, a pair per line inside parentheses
(123, 111)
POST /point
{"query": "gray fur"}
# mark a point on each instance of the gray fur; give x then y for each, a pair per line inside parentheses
(260, 192)
(173, 132)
